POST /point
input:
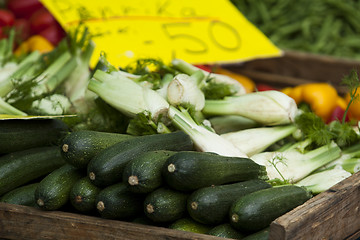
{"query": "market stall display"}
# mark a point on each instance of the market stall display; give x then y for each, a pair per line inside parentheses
(173, 150)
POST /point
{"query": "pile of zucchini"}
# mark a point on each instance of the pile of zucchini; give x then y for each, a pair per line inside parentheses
(153, 179)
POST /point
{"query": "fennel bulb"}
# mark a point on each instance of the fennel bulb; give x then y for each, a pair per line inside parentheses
(255, 140)
(322, 181)
(292, 165)
(267, 107)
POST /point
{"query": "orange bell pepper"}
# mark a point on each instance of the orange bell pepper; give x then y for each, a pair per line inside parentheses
(35, 42)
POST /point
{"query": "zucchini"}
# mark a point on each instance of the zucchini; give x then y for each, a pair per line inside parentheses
(211, 205)
(259, 235)
(165, 205)
(80, 146)
(23, 195)
(83, 195)
(117, 202)
(189, 225)
(143, 174)
(19, 168)
(106, 168)
(21, 134)
(255, 211)
(225, 230)
(189, 171)
(53, 191)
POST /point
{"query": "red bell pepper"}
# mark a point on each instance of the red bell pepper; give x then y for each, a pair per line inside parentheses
(264, 87)
(24, 8)
(338, 114)
(53, 33)
(22, 28)
(204, 67)
(7, 18)
(41, 20)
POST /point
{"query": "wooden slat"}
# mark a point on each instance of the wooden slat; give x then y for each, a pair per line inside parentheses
(295, 68)
(20, 222)
(333, 214)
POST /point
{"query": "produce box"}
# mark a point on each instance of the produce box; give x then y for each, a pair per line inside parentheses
(295, 68)
(333, 214)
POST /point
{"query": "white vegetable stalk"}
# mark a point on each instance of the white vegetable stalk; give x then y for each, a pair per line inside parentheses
(218, 78)
(293, 165)
(322, 181)
(23, 71)
(127, 96)
(347, 157)
(204, 140)
(183, 90)
(7, 70)
(6, 108)
(255, 140)
(266, 107)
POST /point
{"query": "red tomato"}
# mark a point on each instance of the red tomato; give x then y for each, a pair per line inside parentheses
(7, 18)
(53, 33)
(41, 20)
(204, 67)
(24, 8)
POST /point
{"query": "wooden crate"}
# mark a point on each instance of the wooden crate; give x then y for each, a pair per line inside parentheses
(296, 68)
(333, 214)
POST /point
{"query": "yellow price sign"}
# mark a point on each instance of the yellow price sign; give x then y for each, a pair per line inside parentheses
(197, 31)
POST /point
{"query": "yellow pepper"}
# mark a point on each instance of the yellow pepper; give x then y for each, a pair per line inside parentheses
(321, 97)
(35, 42)
(248, 84)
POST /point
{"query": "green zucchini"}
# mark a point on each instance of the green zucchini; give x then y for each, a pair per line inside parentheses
(23, 195)
(20, 134)
(83, 195)
(259, 235)
(19, 168)
(211, 205)
(53, 191)
(79, 147)
(165, 205)
(255, 211)
(225, 230)
(190, 225)
(106, 168)
(117, 202)
(143, 174)
(188, 171)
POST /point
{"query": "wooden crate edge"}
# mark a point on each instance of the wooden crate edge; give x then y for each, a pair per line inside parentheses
(333, 214)
(22, 222)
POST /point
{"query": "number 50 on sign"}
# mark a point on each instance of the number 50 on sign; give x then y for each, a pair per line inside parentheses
(196, 31)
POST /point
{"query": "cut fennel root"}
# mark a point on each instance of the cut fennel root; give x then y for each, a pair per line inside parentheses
(184, 90)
